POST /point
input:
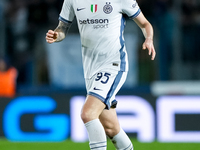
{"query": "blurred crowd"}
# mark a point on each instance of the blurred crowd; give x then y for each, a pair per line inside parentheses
(8, 76)
(26, 25)
(26, 22)
(191, 29)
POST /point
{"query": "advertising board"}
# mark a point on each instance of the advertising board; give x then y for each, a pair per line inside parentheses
(57, 118)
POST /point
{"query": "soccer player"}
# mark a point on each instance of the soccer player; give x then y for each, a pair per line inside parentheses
(101, 24)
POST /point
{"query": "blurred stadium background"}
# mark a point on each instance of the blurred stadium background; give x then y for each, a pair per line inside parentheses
(164, 95)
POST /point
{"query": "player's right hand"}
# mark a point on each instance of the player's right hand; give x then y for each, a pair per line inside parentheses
(51, 36)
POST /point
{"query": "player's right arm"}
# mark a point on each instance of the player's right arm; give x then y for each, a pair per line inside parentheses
(59, 33)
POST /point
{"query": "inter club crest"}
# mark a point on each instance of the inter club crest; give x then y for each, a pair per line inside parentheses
(107, 8)
(135, 3)
(94, 8)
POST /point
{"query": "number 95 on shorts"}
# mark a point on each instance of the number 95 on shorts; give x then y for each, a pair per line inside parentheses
(105, 85)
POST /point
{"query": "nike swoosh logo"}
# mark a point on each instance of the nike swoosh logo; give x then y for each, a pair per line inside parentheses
(97, 89)
(79, 9)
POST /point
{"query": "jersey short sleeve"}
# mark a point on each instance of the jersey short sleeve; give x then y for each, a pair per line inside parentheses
(67, 12)
(130, 8)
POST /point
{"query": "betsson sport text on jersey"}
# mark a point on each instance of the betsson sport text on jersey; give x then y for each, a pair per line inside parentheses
(97, 23)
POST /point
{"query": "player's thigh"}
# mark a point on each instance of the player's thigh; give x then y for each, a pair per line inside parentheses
(92, 108)
(110, 122)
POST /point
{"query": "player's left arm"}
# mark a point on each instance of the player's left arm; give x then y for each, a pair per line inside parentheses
(147, 30)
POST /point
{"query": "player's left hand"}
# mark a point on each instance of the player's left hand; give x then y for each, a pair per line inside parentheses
(148, 44)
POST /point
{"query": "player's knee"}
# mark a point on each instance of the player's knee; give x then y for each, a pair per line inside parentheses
(111, 132)
(86, 116)
(111, 129)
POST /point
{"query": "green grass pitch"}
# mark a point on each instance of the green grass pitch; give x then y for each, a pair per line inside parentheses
(69, 145)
